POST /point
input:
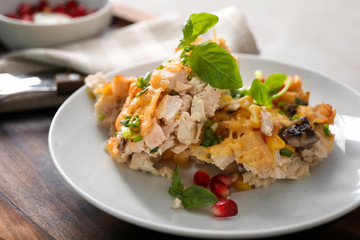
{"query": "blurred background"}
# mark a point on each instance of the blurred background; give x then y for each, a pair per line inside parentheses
(321, 35)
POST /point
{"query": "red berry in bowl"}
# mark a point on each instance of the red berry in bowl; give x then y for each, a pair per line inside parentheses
(81, 11)
(24, 8)
(224, 208)
(71, 4)
(219, 188)
(27, 17)
(11, 15)
(202, 178)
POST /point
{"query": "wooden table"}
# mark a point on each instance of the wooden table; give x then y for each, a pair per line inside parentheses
(36, 203)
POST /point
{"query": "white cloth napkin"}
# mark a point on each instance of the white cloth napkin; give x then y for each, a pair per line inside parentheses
(144, 41)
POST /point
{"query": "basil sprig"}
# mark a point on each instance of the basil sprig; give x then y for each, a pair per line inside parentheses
(211, 63)
(194, 196)
(197, 24)
(264, 93)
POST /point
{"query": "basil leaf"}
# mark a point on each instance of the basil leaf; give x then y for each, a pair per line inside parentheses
(197, 196)
(201, 23)
(215, 66)
(176, 188)
(274, 82)
(187, 34)
(198, 23)
(259, 93)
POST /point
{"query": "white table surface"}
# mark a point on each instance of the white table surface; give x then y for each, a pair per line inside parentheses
(323, 35)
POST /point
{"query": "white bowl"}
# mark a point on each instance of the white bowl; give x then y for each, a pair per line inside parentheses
(17, 34)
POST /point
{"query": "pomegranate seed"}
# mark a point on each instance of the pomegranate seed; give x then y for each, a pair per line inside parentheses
(227, 179)
(202, 178)
(42, 5)
(11, 15)
(71, 4)
(27, 17)
(81, 11)
(219, 188)
(224, 208)
(60, 9)
(24, 8)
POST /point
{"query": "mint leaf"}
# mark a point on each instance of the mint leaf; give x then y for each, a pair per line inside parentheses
(176, 188)
(198, 23)
(259, 93)
(274, 82)
(215, 66)
(197, 196)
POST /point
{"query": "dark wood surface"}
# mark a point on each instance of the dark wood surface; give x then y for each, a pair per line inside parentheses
(36, 203)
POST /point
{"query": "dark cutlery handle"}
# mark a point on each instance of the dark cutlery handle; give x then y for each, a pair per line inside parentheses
(68, 83)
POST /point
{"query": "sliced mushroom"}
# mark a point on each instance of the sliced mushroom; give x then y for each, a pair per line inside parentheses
(300, 134)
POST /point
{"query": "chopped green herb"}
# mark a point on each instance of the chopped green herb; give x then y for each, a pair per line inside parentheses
(126, 132)
(214, 127)
(209, 139)
(280, 104)
(137, 138)
(205, 143)
(294, 117)
(286, 152)
(208, 123)
(144, 81)
(326, 130)
(282, 113)
(131, 124)
(141, 93)
(101, 116)
(160, 67)
(154, 150)
(298, 101)
(134, 121)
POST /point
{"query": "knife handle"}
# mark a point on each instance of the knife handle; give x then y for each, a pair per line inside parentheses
(68, 83)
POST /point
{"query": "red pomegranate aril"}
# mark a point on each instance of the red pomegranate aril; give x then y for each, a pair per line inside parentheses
(72, 4)
(24, 8)
(27, 17)
(11, 15)
(227, 179)
(81, 11)
(202, 178)
(219, 188)
(224, 208)
(42, 5)
(60, 9)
